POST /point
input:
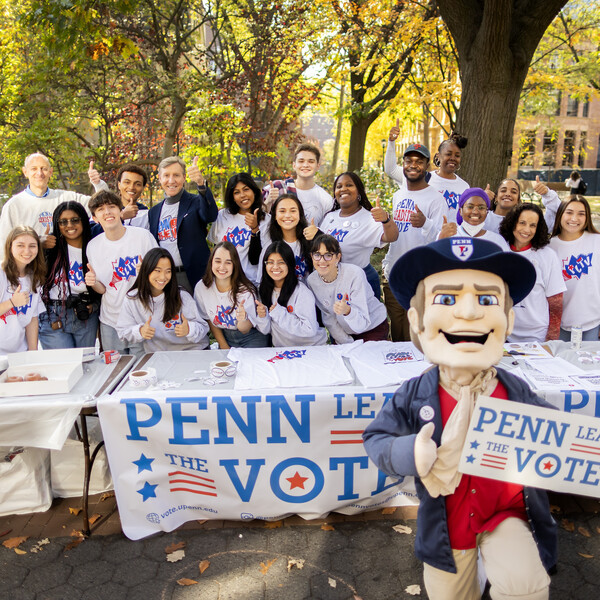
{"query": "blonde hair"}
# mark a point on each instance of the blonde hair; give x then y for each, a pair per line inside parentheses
(36, 269)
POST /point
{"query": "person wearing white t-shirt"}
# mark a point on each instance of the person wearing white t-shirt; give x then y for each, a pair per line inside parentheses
(508, 196)
(21, 276)
(242, 222)
(577, 245)
(286, 303)
(348, 306)
(159, 314)
(357, 225)
(71, 318)
(315, 200)
(538, 316)
(417, 215)
(227, 299)
(473, 207)
(114, 258)
(35, 204)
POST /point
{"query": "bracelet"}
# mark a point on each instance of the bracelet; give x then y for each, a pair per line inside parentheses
(255, 234)
(387, 220)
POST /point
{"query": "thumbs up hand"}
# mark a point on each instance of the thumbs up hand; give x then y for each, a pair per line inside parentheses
(261, 309)
(311, 231)
(146, 331)
(379, 214)
(48, 240)
(539, 187)
(240, 313)
(19, 298)
(90, 276)
(417, 218)
(93, 174)
(182, 329)
(394, 131)
(448, 229)
(425, 450)
(491, 195)
(251, 220)
(194, 173)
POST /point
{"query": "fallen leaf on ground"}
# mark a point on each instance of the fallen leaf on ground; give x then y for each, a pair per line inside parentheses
(327, 527)
(355, 597)
(583, 531)
(295, 562)
(74, 543)
(77, 533)
(332, 582)
(14, 541)
(390, 510)
(264, 568)
(413, 590)
(585, 555)
(554, 508)
(402, 529)
(568, 525)
(186, 581)
(39, 545)
(75, 510)
(94, 518)
(174, 546)
(19, 551)
(176, 556)
(106, 496)
(203, 565)
(273, 524)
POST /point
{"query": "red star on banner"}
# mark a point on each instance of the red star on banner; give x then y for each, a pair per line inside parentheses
(296, 481)
(548, 465)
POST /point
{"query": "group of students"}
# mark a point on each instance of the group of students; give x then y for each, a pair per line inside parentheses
(276, 277)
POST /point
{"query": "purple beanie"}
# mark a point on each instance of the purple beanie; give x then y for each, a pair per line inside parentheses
(470, 193)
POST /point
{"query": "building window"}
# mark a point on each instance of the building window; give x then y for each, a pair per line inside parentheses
(572, 107)
(549, 148)
(586, 109)
(569, 149)
(527, 148)
(582, 151)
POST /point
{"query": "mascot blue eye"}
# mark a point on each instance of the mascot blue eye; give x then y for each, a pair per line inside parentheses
(445, 299)
(487, 300)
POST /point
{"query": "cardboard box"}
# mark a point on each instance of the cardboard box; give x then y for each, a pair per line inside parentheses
(62, 367)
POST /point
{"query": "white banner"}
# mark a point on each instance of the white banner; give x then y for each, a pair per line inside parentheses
(234, 455)
(533, 446)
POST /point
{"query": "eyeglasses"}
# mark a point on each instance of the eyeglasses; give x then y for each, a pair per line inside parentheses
(476, 207)
(65, 222)
(327, 256)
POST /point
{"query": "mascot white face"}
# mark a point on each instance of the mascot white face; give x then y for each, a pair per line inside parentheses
(464, 322)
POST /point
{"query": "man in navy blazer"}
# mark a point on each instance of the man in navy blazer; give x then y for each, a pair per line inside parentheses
(179, 223)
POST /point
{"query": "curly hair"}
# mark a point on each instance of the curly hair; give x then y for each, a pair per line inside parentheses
(510, 221)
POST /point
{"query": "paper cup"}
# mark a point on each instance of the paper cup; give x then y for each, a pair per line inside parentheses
(222, 368)
(143, 377)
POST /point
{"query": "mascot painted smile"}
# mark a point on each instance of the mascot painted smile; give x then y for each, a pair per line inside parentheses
(459, 295)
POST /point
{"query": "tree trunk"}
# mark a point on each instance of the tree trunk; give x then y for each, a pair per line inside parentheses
(495, 40)
(179, 108)
(358, 137)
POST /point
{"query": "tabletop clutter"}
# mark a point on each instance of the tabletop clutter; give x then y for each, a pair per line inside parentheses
(49, 380)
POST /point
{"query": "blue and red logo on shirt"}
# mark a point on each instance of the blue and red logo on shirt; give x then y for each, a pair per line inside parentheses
(238, 237)
(17, 310)
(300, 267)
(167, 229)
(397, 357)
(76, 273)
(225, 316)
(451, 199)
(124, 269)
(339, 234)
(170, 325)
(577, 266)
(402, 212)
(45, 218)
(287, 355)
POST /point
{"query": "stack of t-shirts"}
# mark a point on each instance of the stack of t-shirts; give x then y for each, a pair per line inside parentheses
(301, 367)
(385, 363)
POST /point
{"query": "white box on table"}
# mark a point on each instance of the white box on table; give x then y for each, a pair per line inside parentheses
(62, 367)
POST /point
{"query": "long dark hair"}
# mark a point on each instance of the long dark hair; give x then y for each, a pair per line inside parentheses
(239, 281)
(276, 233)
(508, 224)
(360, 186)
(267, 285)
(143, 290)
(57, 258)
(589, 225)
(247, 180)
(36, 269)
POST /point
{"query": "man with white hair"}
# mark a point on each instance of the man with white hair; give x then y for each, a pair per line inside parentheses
(179, 223)
(36, 203)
